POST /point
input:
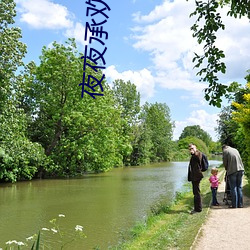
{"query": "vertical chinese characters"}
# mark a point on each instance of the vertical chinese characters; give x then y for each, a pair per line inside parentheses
(94, 31)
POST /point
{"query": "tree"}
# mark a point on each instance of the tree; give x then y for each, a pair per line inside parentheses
(78, 134)
(229, 130)
(208, 23)
(196, 131)
(12, 50)
(242, 117)
(227, 127)
(128, 100)
(157, 122)
(142, 145)
(20, 158)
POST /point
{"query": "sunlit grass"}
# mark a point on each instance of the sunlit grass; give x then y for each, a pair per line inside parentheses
(170, 226)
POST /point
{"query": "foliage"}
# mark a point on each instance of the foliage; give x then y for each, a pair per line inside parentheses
(233, 124)
(20, 157)
(196, 131)
(227, 127)
(142, 145)
(12, 50)
(201, 146)
(181, 154)
(241, 115)
(149, 131)
(127, 98)
(78, 134)
(157, 122)
(205, 28)
(215, 148)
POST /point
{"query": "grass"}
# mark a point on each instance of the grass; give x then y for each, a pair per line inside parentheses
(170, 226)
(246, 188)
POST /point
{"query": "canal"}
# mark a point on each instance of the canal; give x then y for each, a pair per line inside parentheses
(106, 204)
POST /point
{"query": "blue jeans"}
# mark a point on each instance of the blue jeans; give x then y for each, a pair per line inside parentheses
(235, 182)
(214, 196)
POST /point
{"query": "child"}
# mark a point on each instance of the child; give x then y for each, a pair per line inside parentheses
(214, 185)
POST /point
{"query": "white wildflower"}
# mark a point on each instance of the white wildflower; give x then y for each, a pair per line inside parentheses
(20, 243)
(29, 238)
(10, 242)
(54, 230)
(78, 228)
(61, 215)
(45, 229)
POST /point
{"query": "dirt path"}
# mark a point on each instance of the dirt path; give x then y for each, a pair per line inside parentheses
(225, 228)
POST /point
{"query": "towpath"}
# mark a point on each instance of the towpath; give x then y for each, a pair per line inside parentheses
(225, 228)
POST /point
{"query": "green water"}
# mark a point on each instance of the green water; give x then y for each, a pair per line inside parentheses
(105, 204)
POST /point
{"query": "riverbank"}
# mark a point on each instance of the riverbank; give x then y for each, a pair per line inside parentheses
(173, 227)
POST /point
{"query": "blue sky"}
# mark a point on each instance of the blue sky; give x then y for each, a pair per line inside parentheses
(150, 44)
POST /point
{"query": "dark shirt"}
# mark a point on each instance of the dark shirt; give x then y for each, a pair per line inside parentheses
(194, 168)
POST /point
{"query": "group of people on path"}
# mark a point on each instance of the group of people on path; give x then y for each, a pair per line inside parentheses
(234, 167)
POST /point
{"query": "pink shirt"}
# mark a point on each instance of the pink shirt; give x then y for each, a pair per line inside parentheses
(214, 181)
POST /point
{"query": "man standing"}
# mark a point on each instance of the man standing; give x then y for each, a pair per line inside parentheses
(235, 170)
(195, 175)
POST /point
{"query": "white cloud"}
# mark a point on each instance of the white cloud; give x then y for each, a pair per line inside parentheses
(44, 14)
(234, 41)
(208, 122)
(143, 80)
(169, 41)
(159, 12)
(165, 33)
(78, 32)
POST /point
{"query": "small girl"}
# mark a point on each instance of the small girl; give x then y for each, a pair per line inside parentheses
(214, 185)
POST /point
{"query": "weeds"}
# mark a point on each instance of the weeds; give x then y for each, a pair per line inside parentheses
(48, 238)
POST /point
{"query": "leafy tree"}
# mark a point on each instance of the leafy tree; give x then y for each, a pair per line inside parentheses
(241, 116)
(215, 147)
(233, 125)
(142, 145)
(128, 100)
(19, 157)
(196, 131)
(12, 50)
(157, 122)
(78, 134)
(227, 127)
(179, 154)
(208, 23)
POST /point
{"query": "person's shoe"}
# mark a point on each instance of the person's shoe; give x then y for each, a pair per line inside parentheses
(231, 206)
(241, 206)
(217, 204)
(194, 212)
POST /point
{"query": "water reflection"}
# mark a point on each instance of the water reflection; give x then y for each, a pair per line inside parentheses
(105, 204)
